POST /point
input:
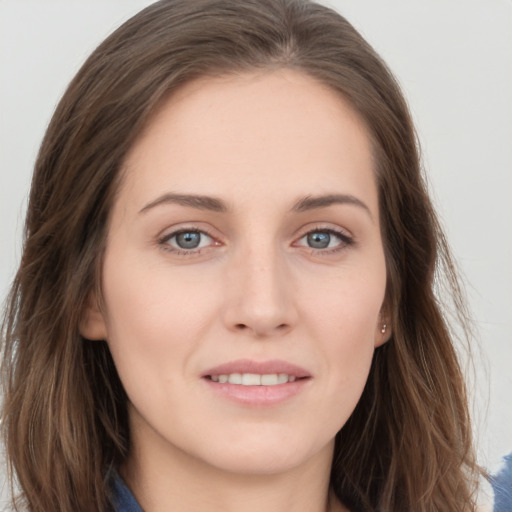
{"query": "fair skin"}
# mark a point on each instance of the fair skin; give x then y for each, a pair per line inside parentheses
(245, 239)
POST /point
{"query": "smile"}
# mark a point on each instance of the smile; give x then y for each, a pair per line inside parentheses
(257, 383)
(254, 379)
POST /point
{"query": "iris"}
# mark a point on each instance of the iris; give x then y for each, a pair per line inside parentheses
(319, 240)
(188, 239)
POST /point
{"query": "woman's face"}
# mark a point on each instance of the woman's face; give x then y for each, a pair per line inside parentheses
(244, 246)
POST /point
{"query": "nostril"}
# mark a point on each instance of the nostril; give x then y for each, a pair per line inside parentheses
(280, 328)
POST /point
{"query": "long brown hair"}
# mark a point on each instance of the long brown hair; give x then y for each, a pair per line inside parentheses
(407, 446)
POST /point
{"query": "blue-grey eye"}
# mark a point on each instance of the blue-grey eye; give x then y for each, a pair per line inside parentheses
(319, 239)
(324, 239)
(189, 240)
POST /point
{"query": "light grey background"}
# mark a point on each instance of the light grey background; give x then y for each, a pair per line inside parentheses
(454, 61)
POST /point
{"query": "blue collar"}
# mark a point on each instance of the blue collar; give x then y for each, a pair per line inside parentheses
(123, 499)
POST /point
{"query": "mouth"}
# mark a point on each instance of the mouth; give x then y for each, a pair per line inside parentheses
(254, 379)
(255, 383)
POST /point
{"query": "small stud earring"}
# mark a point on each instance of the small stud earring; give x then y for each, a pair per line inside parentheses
(384, 327)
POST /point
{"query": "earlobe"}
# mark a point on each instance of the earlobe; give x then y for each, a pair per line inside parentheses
(92, 324)
(383, 333)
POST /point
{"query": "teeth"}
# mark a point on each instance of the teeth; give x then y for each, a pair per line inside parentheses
(235, 378)
(254, 379)
(251, 379)
(272, 380)
(282, 378)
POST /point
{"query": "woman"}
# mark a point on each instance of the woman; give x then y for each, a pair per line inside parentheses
(226, 291)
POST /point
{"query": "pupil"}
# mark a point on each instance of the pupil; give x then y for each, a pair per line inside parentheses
(188, 240)
(319, 240)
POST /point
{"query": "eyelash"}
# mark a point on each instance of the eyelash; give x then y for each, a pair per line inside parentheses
(164, 242)
(345, 241)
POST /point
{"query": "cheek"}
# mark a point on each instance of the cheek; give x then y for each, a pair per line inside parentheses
(344, 316)
(347, 306)
(154, 318)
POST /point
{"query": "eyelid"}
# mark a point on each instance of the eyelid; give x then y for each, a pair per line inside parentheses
(163, 240)
(346, 239)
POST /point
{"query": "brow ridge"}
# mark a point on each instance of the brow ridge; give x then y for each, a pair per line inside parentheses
(315, 202)
(199, 202)
(202, 202)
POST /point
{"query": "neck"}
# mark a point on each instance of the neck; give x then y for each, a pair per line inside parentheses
(163, 480)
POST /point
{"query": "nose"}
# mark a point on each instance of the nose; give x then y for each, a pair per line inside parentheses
(260, 299)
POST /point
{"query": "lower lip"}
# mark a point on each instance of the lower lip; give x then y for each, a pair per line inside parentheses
(258, 395)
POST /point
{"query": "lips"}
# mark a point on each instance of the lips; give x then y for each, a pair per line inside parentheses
(247, 366)
(256, 383)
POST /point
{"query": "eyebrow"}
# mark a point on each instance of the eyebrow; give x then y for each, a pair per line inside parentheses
(193, 201)
(315, 202)
(214, 204)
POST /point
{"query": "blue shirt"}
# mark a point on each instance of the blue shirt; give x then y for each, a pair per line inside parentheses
(502, 484)
(124, 501)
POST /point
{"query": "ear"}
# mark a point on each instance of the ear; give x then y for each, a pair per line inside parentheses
(92, 324)
(383, 329)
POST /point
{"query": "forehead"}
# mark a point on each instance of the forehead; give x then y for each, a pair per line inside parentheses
(253, 133)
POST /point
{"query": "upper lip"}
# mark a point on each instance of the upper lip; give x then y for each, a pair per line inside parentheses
(257, 367)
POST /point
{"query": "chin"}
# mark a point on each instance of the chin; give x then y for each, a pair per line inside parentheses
(262, 465)
(267, 455)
